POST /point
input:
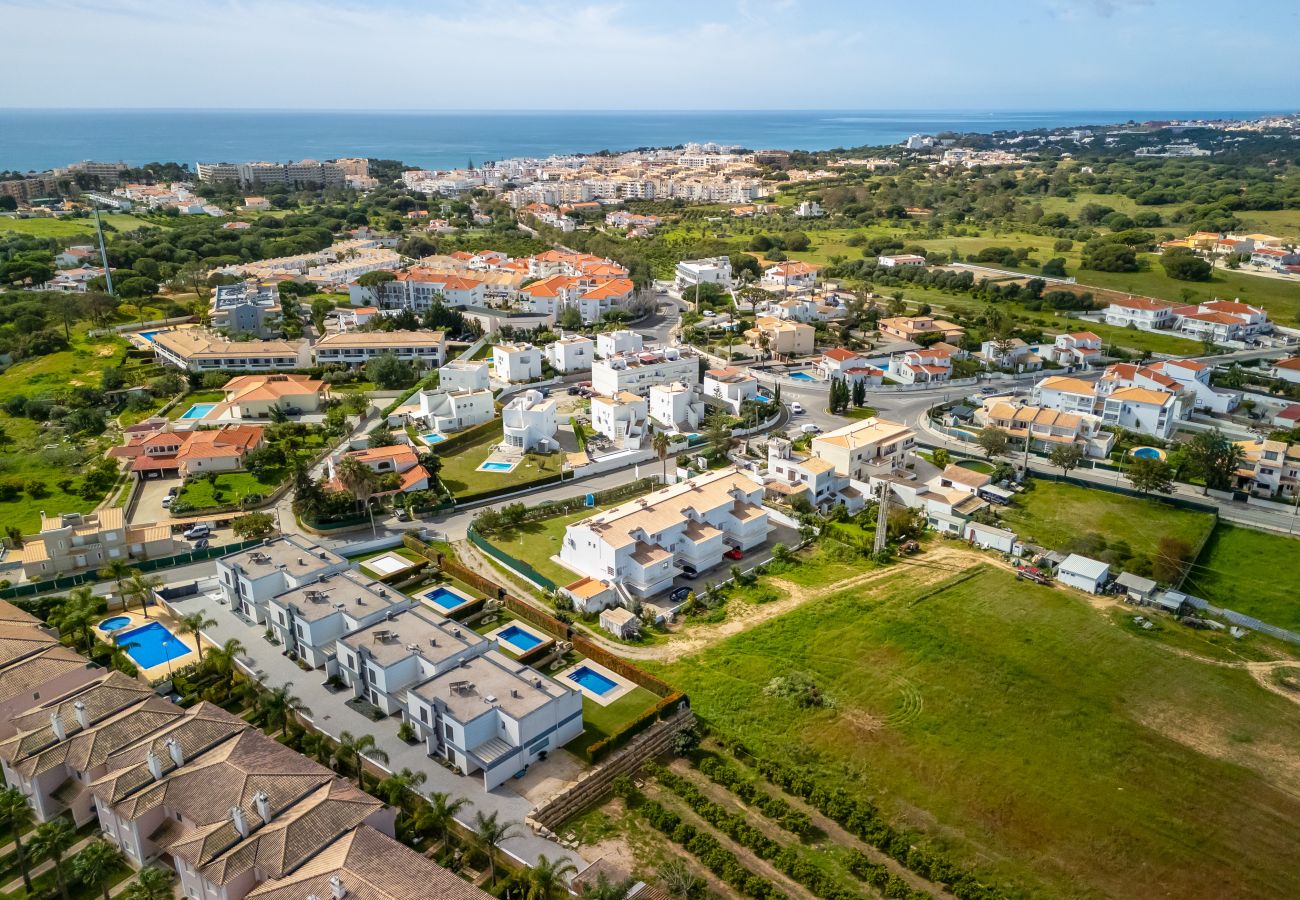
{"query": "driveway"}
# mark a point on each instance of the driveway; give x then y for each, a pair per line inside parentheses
(330, 715)
(148, 507)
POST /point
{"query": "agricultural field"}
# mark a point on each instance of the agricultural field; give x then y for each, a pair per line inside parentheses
(1000, 719)
(1250, 572)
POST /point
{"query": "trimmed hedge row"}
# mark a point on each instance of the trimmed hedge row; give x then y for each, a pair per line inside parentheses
(736, 826)
(863, 820)
(463, 438)
(705, 847)
(665, 708)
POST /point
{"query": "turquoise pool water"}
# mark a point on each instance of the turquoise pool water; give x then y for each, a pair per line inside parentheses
(148, 335)
(445, 598)
(152, 645)
(114, 623)
(496, 467)
(198, 410)
(802, 376)
(592, 680)
(432, 438)
(1147, 453)
(518, 638)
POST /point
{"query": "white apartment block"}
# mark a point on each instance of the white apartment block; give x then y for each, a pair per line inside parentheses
(464, 375)
(528, 422)
(292, 174)
(790, 474)
(638, 372)
(425, 349)
(1188, 377)
(446, 411)
(714, 270)
(675, 407)
(624, 419)
(200, 350)
(516, 363)
(1222, 320)
(730, 386)
(251, 578)
(1140, 409)
(418, 288)
(309, 619)
(573, 353)
(1140, 312)
(613, 343)
(861, 449)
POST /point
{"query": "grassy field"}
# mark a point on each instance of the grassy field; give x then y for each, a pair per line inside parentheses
(66, 228)
(460, 475)
(1250, 572)
(1004, 719)
(230, 487)
(601, 721)
(1053, 513)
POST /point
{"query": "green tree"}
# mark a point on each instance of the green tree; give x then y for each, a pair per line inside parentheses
(1183, 264)
(53, 840)
(194, 623)
(1213, 458)
(993, 441)
(717, 432)
(153, 883)
(280, 705)
(491, 833)
(570, 319)
(352, 748)
(16, 814)
(222, 659)
(1148, 475)
(661, 442)
(116, 569)
(394, 788)
(76, 614)
(140, 588)
(253, 525)
(95, 864)
(940, 457)
(1066, 456)
(388, 372)
(678, 880)
(547, 879)
(438, 814)
(320, 308)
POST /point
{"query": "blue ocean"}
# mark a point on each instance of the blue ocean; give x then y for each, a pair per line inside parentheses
(40, 139)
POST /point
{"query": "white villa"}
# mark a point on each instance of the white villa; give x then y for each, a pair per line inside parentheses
(250, 578)
(623, 419)
(517, 362)
(528, 422)
(572, 353)
(730, 386)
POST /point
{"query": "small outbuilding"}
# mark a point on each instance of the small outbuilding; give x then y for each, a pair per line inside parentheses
(1083, 573)
(989, 538)
(590, 595)
(620, 622)
(1136, 588)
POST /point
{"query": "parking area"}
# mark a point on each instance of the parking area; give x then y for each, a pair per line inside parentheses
(781, 534)
(149, 507)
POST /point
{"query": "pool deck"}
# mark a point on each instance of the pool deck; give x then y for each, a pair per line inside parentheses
(386, 571)
(495, 635)
(422, 597)
(163, 669)
(621, 685)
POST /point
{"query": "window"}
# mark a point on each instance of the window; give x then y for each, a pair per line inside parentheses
(424, 715)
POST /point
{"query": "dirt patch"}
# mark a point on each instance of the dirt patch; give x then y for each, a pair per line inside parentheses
(105, 351)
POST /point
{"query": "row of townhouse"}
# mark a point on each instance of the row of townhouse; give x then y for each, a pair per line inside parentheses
(641, 546)
(1153, 411)
(200, 350)
(1216, 320)
(75, 541)
(1269, 468)
(470, 704)
(1045, 428)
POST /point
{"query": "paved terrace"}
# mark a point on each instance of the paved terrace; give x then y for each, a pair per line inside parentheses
(331, 715)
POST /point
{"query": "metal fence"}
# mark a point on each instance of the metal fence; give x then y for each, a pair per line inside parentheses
(1244, 621)
(516, 565)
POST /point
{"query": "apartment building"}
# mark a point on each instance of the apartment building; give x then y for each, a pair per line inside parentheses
(642, 545)
(1140, 312)
(309, 619)
(248, 308)
(424, 349)
(1188, 377)
(714, 270)
(791, 474)
(494, 715)
(304, 173)
(517, 362)
(624, 419)
(781, 337)
(571, 353)
(528, 422)
(1269, 468)
(637, 372)
(1047, 428)
(72, 542)
(730, 386)
(1222, 320)
(1145, 410)
(464, 375)
(861, 449)
(420, 287)
(200, 350)
(918, 329)
(250, 578)
(614, 343)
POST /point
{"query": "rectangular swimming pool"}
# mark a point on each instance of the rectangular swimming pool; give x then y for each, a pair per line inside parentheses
(445, 598)
(148, 335)
(496, 467)
(518, 638)
(152, 645)
(801, 376)
(198, 411)
(592, 680)
(432, 438)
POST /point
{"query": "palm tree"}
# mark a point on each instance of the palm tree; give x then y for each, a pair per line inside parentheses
(17, 814)
(358, 478)
(547, 879)
(394, 787)
(490, 834)
(279, 706)
(75, 615)
(661, 443)
(604, 889)
(153, 883)
(96, 863)
(222, 659)
(438, 814)
(352, 748)
(193, 624)
(116, 569)
(140, 587)
(52, 840)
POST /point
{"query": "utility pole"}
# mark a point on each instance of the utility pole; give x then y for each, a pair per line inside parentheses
(882, 520)
(103, 254)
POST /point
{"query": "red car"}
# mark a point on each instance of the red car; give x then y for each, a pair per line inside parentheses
(734, 553)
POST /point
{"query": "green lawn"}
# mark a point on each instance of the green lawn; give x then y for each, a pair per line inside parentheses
(1250, 572)
(230, 487)
(212, 396)
(976, 465)
(1054, 513)
(601, 721)
(1059, 755)
(65, 227)
(460, 475)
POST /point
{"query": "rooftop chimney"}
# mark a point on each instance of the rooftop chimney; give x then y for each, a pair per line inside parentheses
(56, 725)
(80, 709)
(174, 748)
(337, 890)
(155, 765)
(262, 804)
(237, 816)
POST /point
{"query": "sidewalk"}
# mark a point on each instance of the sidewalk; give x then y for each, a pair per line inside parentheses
(330, 715)
(48, 864)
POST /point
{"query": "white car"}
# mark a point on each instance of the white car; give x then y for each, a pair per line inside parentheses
(167, 501)
(709, 314)
(796, 409)
(810, 428)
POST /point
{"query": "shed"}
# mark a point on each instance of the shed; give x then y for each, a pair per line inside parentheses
(988, 537)
(620, 622)
(590, 595)
(1175, 602)
(1083, 573)
(959, 414)
(1138, 589)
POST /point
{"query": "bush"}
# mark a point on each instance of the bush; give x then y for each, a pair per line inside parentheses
(1184, 265)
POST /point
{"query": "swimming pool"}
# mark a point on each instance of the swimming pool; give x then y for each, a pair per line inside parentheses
(496, 467)
(114, 623)
(592, 680)
(801, 376)
(1148, 453)
(152, 645)
(148, 335)
(518, 638)
(432, 438)
(445, 598)
(198, 410)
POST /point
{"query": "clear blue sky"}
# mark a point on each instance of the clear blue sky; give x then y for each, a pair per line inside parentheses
(651, 54)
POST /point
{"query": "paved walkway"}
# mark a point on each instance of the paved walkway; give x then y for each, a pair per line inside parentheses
(330, 715)
(48, 864)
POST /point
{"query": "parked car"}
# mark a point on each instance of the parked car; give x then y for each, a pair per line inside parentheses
(403, 516)
(810, 428)
(201, 544)
(201, 530)
(689, 571)
(167, 501)
(679, 594)
(173, 491)
(796, 409)
(734, 553)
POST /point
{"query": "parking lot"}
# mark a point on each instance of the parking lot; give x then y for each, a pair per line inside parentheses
(149, 507)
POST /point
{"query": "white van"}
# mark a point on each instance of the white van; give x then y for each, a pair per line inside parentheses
(810, 428)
